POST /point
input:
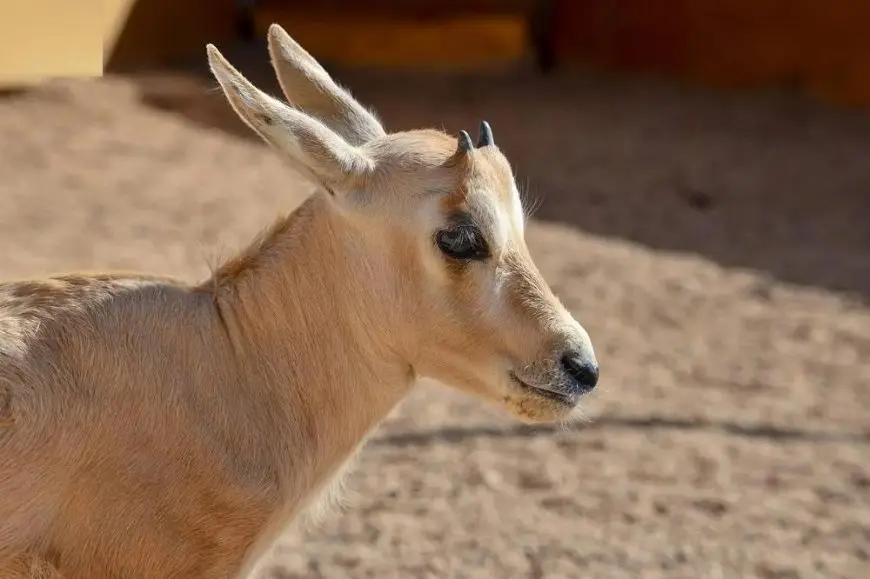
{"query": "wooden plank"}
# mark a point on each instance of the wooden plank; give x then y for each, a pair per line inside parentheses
(413, 9)
(41, 39)
(377, 39)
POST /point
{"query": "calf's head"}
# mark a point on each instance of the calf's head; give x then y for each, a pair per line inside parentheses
(442, 221)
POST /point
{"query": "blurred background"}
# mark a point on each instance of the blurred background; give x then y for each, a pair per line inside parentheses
(702, 177)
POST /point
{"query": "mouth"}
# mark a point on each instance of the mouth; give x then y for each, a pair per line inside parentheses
(558, 397)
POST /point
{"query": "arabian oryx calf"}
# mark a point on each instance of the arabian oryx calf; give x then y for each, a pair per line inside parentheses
(153, 429)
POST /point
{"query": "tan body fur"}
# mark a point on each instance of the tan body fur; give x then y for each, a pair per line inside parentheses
(151, 429)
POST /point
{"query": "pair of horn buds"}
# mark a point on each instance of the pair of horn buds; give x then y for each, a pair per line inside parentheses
(484, 138)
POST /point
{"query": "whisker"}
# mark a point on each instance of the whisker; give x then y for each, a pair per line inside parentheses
(531, 203)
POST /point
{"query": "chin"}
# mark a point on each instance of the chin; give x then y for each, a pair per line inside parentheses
(532, 405)
(534, 409)
(527, 404)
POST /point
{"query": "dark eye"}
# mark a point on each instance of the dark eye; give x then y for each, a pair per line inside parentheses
(463, 242)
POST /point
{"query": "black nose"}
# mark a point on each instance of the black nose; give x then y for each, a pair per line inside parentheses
(583, 373)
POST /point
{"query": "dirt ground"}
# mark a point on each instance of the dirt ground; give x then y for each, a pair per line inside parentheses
(716, 247)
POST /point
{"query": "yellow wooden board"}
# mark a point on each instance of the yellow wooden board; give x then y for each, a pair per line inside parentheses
(41, 39)
(461, 42)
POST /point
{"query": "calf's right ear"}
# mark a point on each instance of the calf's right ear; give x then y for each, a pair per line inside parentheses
(310, 88)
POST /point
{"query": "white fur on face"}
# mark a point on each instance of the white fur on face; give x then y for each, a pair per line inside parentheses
(506, 223)
(517, 214)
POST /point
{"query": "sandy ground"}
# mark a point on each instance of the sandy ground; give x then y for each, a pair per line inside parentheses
(715, 247)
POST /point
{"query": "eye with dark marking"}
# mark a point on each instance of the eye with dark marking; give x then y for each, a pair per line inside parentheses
(462, 242)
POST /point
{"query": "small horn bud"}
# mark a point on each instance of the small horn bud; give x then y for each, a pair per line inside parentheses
(465, 143)
(484, 135)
